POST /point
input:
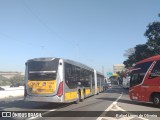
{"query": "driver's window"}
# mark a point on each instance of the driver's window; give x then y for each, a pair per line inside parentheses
(155, 71)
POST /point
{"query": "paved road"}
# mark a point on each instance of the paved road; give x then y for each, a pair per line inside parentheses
(113, 100)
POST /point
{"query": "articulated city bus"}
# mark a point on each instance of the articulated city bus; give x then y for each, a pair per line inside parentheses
(60, 80)
(145, 81)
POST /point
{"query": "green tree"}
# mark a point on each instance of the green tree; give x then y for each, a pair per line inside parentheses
(17, 80)
(129, 52)
(142, 51)
(121, 74)
(130, 61)
(4, 81)
(153, 35)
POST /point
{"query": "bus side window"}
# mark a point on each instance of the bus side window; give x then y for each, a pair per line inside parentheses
(85, 79)
(78, 73)
(155, 71)
(70, 76)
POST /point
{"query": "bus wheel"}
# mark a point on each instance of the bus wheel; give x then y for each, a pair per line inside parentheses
(97, 92)
(79, 98)
(84, 93)
(156, 99)
(82, 99)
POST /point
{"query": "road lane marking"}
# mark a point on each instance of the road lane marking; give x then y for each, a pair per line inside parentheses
(115, 107)
(114, 103)
(109, 108)
(49, 111)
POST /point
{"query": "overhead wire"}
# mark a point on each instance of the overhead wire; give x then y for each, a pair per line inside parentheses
(45, 25)
(13, 38)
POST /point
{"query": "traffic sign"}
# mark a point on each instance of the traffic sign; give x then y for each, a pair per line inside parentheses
(109, 74)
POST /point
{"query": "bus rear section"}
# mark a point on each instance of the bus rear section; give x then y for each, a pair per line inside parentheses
(43, 80)
(145, 81)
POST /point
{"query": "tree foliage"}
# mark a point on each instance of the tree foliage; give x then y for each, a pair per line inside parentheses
(4, 81)
(129, 52)
(17, 80)
(121, 74)
(142, 51)
(153, 35)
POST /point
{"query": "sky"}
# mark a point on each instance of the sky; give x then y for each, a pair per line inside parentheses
(94, 32)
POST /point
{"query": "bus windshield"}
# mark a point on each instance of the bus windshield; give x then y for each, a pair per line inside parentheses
(138, 73)
(42, 70)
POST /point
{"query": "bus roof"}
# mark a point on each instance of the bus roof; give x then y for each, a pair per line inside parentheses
(99, 73)
(65, 60)
(154, 58)
(78, 64)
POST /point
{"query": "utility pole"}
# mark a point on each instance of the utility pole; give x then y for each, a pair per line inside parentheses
(102, 69)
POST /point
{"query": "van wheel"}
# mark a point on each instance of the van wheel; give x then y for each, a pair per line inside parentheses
(156, 100)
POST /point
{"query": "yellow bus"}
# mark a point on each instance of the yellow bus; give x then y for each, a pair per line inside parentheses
(60, 80)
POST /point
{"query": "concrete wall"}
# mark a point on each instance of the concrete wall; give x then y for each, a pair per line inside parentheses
(11, 92)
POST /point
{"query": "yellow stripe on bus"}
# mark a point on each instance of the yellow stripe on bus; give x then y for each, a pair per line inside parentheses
(88, 91)
(70, 95)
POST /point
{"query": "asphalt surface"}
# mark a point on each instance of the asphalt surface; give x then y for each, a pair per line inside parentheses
(97, 107)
